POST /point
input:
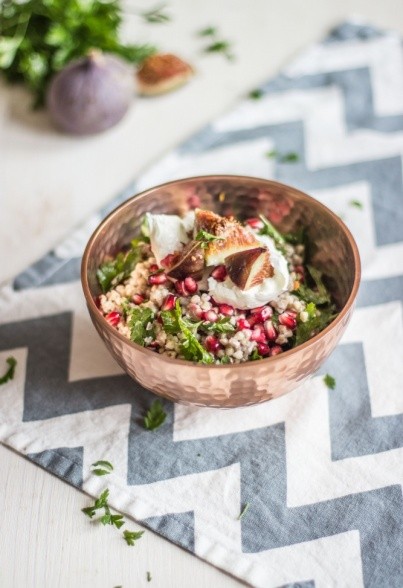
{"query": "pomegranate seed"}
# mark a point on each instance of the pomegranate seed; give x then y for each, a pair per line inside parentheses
(157, 279)
(258, 334)
(261, 314)
(169, 260)
(210, 316)
(169, 302)
(288, 320)
(243, 324)
(270, 331)
(226, 309)
(180, 288)
(219, 273)
(255, 223)
(212, 343)
(263, 349)
(276, 350)
(113, 318)
(154, 344)
(190, 285)
(195, 311)
(153, 268)
(138, 298)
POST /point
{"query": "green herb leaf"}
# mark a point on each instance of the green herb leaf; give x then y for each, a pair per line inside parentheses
(244, 511)
(156, 15)
(132, 536)
(111, 519)
(330, 381)
(102, 500)
(225, 359)
(290, 157)
(90, 511)
(104, 464)
(272, 153)
(272, 232)
(149, 577)
(256, 94)
(138, 318)
(39, 37)
(113, 272)
(314, 325)
(311, 309)
(206, 237)
(223, 325)
(208, 32)
(155, 416)
(356, 204)
(9, 375)
(255, 355)
(319, 296)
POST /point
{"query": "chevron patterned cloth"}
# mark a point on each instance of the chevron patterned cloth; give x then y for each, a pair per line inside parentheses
(322, 470)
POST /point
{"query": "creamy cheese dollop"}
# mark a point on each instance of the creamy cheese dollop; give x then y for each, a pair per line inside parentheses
(168, 233)
(227, 292)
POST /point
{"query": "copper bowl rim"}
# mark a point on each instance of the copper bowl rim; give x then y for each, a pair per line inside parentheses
(225, 177)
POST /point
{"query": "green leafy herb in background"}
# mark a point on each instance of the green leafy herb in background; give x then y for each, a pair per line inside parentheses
(132, 536)
(9, 375)
(271, 231)
(289, 157)
(357, 204)
(112, 272)
(156, 15)
(155, 416)
(39, 37)
(255, 94)
(320, 295)
(206, 237)
(102, 468)
(314, 325)
(330, 381)
(217, 44)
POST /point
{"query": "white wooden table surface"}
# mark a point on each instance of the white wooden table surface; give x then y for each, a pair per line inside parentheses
(49, 182)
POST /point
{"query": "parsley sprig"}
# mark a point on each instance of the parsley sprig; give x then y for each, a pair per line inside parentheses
(132, 536)
(102, 468)
(207, 238)
(330, 381)
(156, 15)
(114, 271)
(9, 375)
(288, 157)
(217, 44)
(155, 416)
(138, 318)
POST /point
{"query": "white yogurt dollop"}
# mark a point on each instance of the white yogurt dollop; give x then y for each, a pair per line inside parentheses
(168, 233)
(227, 292)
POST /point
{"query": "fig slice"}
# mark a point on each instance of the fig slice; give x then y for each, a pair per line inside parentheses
(249, 268)
(190, 262)
(232, 236)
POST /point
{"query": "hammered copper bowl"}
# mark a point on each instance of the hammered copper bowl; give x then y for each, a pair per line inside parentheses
(332, 250)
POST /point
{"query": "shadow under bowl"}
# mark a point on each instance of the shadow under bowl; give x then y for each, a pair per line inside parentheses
(332, 250)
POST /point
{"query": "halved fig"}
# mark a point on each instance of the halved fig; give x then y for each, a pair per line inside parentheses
(249, 268)
(232, 237)
(190, 262)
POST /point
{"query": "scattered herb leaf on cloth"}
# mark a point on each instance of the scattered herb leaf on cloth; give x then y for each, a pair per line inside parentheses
(155, 416)
(217, 44)
(102, 468)
(256, 94)
(39, 38)
(330, 381)
(244, 511)
(9, 375)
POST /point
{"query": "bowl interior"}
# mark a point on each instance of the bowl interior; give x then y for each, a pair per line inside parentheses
(331, 248)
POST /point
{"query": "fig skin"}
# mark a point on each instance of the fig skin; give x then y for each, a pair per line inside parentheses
(249, 268)
(190, 263)
(91, 94)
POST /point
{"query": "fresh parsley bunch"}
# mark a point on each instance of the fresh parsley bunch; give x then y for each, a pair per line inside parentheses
(39, 37)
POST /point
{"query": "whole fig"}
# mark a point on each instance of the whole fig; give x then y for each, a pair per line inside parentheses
(91, 94)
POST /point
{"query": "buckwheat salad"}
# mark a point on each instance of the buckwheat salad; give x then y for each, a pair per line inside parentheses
(213, 290)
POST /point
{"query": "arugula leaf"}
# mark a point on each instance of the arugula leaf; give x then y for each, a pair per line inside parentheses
(39, 37)
(314, 325)
(256, 94)
(9, 375)
(138, 319)
(155, 416)
(272, 232)
(329, 381)
(244, 511)
(112, 272)
(223, 325)
(131, 536)
(105, 469)
(190, 347)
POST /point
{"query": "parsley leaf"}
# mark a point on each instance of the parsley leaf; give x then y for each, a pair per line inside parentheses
(149, 577)
(223, 325)
(289, 157)
(314, 325)
(112, 272)
(330, 381)
(217, 45)
(225, 359)
(38, 38)
(138, 319)
(356, 204)
(156, 15)
(9, 375)
(131, 536)
(255, 355)
(206, 237)
(111, 519)
(244, 511)
(208, 32)
(102, 468)
(100, 502)
(256, 94)
(155, 416)
(320, 295)
(90, 511)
